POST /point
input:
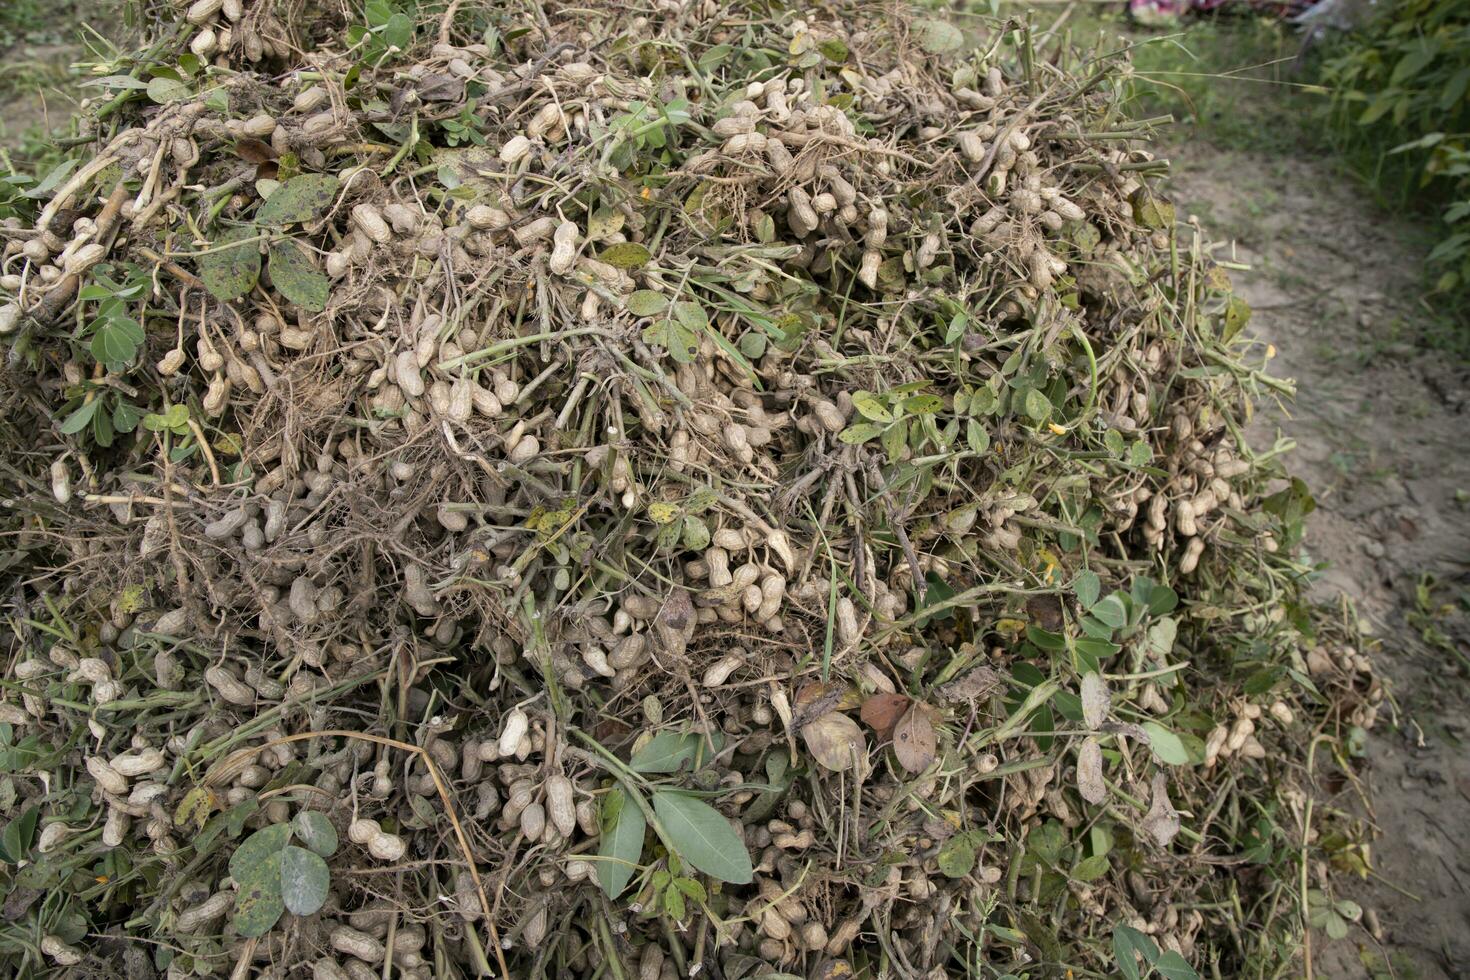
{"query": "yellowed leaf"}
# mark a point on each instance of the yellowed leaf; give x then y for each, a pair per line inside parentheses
(835, 741)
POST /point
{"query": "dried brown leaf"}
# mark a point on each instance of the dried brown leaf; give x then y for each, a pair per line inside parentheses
(882, 712)
(816, 699)
(1090, 781)
(1162, 820)
(913, 739)
(1095, 699)
(254, 151)
(972, 686)
(1045, 611)
(675, 622)
(438, 87)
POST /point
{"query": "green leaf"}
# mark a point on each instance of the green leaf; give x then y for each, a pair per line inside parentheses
(1090, 869)
(231, 266)
(166, 90)
(1237, 315)
(938, 36)
(125, 416)
(646, 302)
(674, 903)
(753, 344)
(702, 837)
(715, 55)
(957, 857)
(1110, 611)
(313, 829)
(15, 841)
(1047, 841)
(674, 336)
(1128, 945)
(833, 50)
(692, 888)
(258, 902)
(1168, 747)
(870, 407)
(398, 32)
(305, 880)
(861, 432)
(976, 437)
(923, 404)
(1036, 405)
(296, 277)
(1171, 966)
(1162, 600)
(623, 824)
(254, 849)
(117, 340)
(625, 255)
(957, 325)
(895, 438)
(1087, 586)
(669, 751)
(79, 419)
(301, 198)
(696, 534)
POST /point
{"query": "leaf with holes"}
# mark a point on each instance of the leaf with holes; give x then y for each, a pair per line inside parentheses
(231, 265)
(296, 277)
(673, 336)
(702, 836)
(860, 432)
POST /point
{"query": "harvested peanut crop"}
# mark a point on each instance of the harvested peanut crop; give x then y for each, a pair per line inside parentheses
(696, 490)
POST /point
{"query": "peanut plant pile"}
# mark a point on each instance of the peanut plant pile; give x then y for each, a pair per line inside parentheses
(565, 491)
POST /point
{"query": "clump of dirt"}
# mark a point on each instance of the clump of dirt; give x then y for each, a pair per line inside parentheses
(1378, 425)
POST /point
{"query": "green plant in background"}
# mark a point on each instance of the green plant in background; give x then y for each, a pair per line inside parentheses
(1401, 84)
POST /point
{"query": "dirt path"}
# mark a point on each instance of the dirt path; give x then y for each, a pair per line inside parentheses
(1382, 423)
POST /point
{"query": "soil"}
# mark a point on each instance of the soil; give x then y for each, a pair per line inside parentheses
(1380, 420)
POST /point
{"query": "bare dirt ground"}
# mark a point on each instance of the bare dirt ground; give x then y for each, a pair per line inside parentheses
(1381, 420)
